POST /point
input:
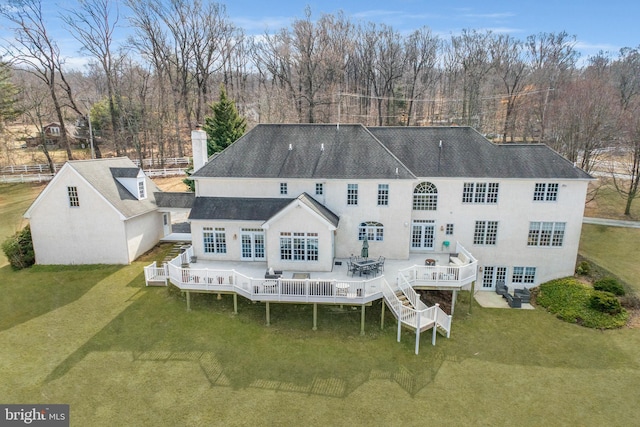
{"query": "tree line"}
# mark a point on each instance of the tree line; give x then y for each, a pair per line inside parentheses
(147, 94)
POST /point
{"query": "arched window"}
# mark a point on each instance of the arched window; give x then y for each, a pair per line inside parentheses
(425, 197)
(373, 231)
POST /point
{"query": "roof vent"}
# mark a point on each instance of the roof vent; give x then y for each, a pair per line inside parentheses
(440, 145)
(322, 147)
(290, 147)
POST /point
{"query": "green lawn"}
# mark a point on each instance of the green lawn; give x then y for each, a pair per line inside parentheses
(123, 354)
(14, 201)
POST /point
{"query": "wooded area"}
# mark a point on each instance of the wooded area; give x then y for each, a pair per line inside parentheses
(144, 97)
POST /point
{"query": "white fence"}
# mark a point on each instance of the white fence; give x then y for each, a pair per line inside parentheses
(44, 168)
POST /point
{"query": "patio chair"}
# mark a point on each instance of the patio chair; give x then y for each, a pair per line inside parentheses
(351, 268)
(381, 263)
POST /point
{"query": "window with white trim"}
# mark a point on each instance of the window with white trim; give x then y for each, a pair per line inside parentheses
(383, 194)
(425, 197)
(485, 233)
(523, 275)
(215, 240)
(142, 193)
(372, 230)
(546, 233)
(319, 189)
(283, 188)
(74, 201)
(449, 230)
(299, 246)
(352, 194)
(545, 192)
(480, 192)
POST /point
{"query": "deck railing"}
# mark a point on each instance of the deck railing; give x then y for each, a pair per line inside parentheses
(188, 278)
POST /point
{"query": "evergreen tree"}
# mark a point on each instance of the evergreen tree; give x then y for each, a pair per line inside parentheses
(224, 126)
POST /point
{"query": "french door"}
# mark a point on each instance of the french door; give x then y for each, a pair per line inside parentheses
(492, 275)
(422, 234)
(252, 244)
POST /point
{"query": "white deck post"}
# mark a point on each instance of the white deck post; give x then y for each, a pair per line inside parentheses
(268, 314)
(188, 301)
(418, 316)
(382, 315)
(362, 321)
(235, 303)
(315, 317)
(454, 297)
(435, 325)
(399, 324)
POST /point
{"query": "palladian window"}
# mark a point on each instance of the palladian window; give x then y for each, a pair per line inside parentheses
(425, 197)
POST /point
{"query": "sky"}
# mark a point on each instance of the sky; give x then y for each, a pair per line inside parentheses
(598, 25)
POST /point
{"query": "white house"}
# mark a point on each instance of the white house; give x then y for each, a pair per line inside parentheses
(95, 212)
(298, 196)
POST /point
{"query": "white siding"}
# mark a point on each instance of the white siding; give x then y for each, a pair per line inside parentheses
(514, 211)
(143, 232)
(92, 233)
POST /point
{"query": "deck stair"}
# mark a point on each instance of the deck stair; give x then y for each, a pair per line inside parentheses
(412, 313)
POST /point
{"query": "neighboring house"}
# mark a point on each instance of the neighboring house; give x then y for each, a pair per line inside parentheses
(298, 196)
(95, 212)
(51, 134)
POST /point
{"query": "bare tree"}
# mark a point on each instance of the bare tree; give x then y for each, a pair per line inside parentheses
(471, 52)
(552, 58)
(509, 66)
(35, 49)
(93, 25)
(421, 56)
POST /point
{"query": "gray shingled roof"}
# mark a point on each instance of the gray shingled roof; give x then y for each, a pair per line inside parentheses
(175, 200)
(350, 151)
(236, 208)
(99, 174)
(358, 152)
(466, 153)
(125, 172)
(253, 209)
(320, 209)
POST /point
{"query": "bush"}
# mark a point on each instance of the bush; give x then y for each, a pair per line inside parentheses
(584, 268)
(605, 302)
(609, 284)
(571, 301)
(19, 249)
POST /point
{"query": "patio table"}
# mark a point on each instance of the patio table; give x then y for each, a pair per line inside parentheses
(365, 266)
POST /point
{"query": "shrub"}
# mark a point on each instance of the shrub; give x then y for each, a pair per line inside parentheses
(19, 249)
(609, 284)
(584, 268)
(570, 301)
(605, 302)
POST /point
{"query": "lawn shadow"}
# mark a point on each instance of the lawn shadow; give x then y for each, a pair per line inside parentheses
(35, 291)
(239, 351)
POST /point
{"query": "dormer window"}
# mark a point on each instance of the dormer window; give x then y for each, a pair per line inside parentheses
(133, 180)
(142, 193)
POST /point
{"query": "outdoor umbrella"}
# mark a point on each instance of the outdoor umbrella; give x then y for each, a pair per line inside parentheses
(365, 248)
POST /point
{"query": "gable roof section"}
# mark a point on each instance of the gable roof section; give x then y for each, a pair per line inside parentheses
(466, 153)
(98, 175)
(256, 209)
(317, 151)
(176, 200)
